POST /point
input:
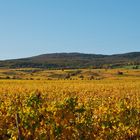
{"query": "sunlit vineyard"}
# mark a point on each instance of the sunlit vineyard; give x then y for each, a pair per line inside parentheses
(70, 109)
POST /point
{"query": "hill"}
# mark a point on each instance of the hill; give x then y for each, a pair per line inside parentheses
(74, 60)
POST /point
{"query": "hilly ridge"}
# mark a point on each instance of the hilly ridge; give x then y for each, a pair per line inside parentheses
(74, 60)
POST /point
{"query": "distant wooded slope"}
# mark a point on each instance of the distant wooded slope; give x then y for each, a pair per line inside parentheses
(74, 60)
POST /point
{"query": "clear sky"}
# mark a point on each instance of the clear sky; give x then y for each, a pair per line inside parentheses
(32, 27)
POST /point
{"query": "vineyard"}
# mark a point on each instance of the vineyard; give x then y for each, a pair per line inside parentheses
(102, 108)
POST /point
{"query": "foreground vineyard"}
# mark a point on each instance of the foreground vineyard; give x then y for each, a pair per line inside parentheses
(70, 109)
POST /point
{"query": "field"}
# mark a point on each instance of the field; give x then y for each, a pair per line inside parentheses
(86, 104)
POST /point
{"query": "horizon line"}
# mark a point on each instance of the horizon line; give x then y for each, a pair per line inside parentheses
(67, 53)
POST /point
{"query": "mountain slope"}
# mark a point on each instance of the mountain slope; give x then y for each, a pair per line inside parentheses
(74, 60)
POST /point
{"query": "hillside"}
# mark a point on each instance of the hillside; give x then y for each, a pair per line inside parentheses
(74, 60)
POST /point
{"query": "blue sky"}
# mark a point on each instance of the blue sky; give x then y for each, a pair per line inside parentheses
(32, 27)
